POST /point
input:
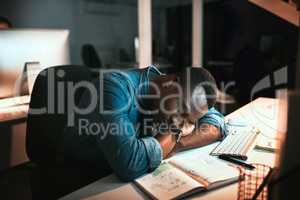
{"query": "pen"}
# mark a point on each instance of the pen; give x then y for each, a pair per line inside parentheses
(236, 161)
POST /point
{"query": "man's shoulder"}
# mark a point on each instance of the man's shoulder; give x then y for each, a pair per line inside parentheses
(121, 76)
(116, 82)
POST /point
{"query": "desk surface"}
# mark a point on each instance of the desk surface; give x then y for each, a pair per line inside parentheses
(13, 113)
(261, 112)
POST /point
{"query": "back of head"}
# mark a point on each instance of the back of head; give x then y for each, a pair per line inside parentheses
(90, 57)
(5, 23)
(199, 87)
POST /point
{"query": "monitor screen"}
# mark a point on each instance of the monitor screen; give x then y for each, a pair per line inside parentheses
(49, 47)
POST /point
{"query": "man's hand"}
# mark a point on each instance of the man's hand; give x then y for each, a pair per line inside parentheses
(204, 135)
(167, 142)
(187, 129)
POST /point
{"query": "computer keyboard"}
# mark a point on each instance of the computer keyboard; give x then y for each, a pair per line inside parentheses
(14, 101)
(238, 143)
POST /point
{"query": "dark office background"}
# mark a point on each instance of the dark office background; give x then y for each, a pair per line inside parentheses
(108, 25)
(241, 41)
(231, 27)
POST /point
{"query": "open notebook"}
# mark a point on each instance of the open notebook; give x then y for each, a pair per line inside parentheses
(181, 177)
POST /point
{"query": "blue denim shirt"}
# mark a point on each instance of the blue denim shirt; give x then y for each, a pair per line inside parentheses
(118, 142)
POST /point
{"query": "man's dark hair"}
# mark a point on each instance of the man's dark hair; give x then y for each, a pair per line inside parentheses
(199, 79)
(4, 20)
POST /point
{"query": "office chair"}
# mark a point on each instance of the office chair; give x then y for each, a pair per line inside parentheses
(90, 57)
(53, 174)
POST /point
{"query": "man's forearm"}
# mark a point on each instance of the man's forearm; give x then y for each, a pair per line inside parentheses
(167, 143)
(204, 135)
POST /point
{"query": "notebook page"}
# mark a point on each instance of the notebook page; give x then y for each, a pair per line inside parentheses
(167, 182)
(207, 167)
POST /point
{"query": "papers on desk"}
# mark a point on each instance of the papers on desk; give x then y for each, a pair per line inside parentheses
(184, 176)
(209, 168)
(167, 182)
(267, 144)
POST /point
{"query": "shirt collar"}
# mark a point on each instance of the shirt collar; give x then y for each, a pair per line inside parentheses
(147, 74)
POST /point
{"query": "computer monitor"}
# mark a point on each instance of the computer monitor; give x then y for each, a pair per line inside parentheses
(49, 47)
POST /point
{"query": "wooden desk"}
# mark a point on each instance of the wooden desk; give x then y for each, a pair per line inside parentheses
(261, 112)
(14, 113)
(13, 136)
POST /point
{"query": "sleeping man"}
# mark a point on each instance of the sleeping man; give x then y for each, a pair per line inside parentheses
(142, 117)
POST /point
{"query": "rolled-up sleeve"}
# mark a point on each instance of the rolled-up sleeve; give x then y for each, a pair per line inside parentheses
(154, 152)
(215, 118)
